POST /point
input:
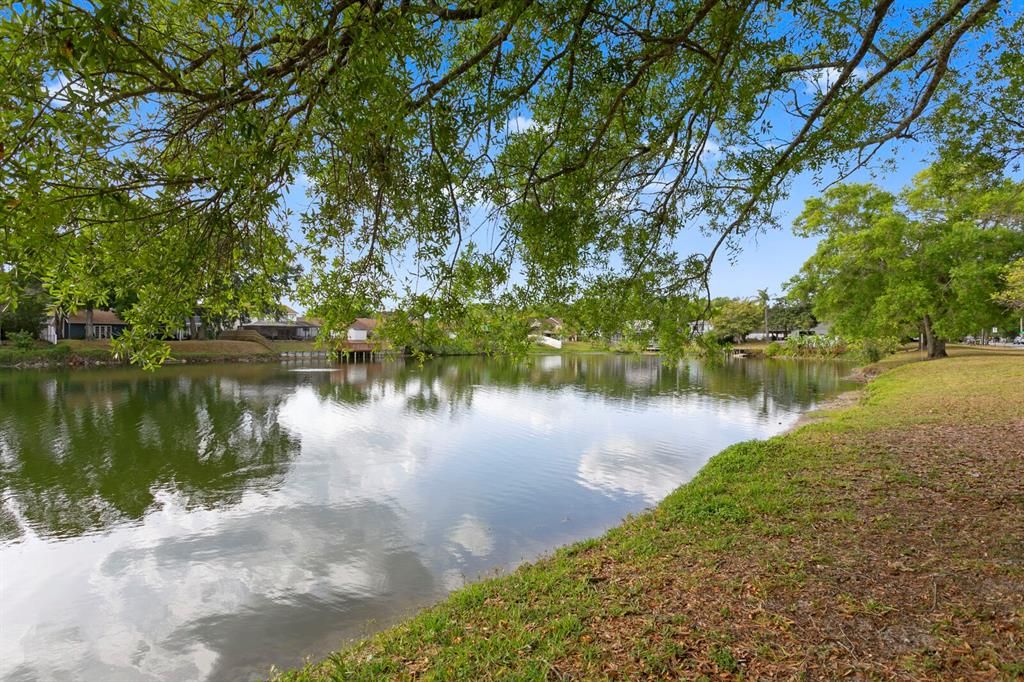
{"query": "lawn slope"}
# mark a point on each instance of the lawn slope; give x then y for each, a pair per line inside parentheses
(885, 541)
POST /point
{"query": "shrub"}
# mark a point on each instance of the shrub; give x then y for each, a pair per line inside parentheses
(773, 349)
(23, 340)
(814, 346)
(873, 350)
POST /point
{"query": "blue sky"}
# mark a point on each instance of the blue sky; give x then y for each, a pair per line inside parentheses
(768, 260)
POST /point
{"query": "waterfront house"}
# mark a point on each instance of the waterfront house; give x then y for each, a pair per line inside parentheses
(636, 329)
(361, 330)
(359, 338)
(550, 327)
(286, 325)
(105, 325)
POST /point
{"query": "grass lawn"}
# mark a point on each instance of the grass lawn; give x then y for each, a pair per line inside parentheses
(883, 541)
(209, 351)
(954, 351)
(191, 349)
(45, 354)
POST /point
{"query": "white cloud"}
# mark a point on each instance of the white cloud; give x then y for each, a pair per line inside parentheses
(711, 148)
(821, 80)
(521, 124)
(59, 88)
(472, 535)
(625, 465)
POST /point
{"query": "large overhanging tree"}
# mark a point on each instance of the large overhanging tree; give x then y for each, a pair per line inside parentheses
(492, 152)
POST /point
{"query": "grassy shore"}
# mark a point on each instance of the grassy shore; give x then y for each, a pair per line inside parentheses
(884, 541)
(74, 352)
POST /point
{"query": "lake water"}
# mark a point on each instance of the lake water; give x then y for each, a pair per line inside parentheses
(208, 522)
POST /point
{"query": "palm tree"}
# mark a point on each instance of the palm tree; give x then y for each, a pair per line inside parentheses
(763, 297)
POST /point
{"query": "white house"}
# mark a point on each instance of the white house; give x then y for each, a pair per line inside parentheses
(361, 330)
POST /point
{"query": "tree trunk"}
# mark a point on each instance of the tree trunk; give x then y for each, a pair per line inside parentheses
(936, 346)
(89, 332)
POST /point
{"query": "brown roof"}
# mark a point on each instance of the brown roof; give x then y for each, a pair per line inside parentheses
(98, 317)
(367, 323)
(308, 322)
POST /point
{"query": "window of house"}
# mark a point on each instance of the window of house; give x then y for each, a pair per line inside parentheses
(102, 331)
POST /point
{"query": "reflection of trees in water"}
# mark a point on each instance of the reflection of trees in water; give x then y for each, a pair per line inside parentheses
(83, 451)
(427, 388)
(787, 384)
(449, 383)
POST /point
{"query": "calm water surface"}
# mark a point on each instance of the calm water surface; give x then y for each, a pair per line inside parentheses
(205, 523)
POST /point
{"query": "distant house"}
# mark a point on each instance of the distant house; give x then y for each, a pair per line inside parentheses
(105, 325)
(634, 329)
(307, 328)
(360, 333)
(550, 327)
(699, 327)
(820, 329)
(287, 325)
(773, 335)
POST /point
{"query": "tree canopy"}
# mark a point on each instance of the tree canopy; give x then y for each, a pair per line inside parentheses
(492, 151)
(929, 260)
(734, 318)
(791, 314)
(1012, 294)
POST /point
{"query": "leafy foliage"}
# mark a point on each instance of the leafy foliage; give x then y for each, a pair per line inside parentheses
(930, 259)
(23, 340)
(789, 315)
(25, 311)
(452, 155)
(984, 112)
(734, 318)
(1012, 294)
(812, 345)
